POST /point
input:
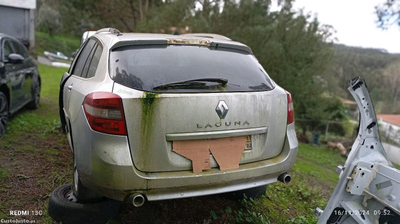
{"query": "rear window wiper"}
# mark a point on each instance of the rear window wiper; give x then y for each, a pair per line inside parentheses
(191, 83)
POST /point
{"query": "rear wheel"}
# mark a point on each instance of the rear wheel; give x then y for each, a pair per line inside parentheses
(64, 208)
(250, 193)
(34, 104)
(3, 114)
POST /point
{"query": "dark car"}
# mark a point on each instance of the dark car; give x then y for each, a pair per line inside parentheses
(19, 80)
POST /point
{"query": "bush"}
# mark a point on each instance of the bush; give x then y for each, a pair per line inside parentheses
(45, 42)
(49, 20)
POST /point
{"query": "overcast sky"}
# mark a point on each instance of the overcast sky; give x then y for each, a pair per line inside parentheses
(354, 22)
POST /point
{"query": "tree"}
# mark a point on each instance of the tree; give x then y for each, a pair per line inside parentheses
(388, 13)
(49, 20)
(349, 62)
(291, 46)
(77, 16)
(163, 17)
(392, 79)
(125, 14)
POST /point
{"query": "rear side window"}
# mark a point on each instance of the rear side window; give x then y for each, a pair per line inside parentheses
(83, 57)
(88, 60)
(95, 62)
(149, 66)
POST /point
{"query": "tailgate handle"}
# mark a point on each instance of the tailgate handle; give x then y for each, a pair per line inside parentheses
(70, 87)
(215, 134)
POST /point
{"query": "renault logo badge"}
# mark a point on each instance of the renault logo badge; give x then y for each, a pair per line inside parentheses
(222, 109)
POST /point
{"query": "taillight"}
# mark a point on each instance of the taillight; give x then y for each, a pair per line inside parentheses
(105, 113)
(290, 109)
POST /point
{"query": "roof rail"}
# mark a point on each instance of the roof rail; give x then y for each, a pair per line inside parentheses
(207, 35)
(109, 30)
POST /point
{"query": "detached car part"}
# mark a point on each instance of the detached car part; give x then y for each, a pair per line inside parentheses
(368, 190)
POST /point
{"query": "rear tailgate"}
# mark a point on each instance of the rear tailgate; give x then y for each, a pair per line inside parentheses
(154, 121)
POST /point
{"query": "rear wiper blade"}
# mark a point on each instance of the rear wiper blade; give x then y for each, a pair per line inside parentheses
(192, 82)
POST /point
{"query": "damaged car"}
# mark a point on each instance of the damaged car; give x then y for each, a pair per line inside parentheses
(368, 190)
(153, 117)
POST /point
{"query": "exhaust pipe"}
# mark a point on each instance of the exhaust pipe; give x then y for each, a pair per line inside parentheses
(285, 178)
(137, 199)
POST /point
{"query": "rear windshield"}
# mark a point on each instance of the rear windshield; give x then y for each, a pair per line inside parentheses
(148, 67)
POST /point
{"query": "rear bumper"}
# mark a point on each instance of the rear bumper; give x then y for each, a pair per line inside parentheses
(186, 191)
(107, 168)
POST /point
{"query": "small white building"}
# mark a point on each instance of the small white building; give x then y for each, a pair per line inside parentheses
(17, 19)
(389, 126)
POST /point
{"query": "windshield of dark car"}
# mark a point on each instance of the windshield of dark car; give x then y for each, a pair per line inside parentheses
(147, 66)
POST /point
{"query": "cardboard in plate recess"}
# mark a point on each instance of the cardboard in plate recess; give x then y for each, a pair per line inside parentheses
(226, 151)
(195, 150)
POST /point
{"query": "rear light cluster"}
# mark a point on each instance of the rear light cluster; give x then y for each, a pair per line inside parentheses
(104, 112)
(290, 108)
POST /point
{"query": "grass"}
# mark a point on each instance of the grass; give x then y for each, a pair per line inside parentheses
(65, 44)
(307, 166)
(3, 174)
(52, 151)
(320, 155)
(45, 119)
(51, 78)
(314, 179)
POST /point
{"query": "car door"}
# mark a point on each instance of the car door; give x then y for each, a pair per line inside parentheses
(76, 76)
(26, 72)
(14, 76)
(368, 190)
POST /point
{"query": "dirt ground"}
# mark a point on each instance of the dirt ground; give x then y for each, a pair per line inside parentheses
(37, 165)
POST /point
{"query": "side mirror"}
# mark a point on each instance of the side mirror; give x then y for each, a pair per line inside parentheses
(15, 58)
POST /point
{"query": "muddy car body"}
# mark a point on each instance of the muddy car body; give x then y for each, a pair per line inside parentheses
(128, 97)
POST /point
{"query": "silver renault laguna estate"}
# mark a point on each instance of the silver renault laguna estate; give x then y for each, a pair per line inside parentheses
(152, 117)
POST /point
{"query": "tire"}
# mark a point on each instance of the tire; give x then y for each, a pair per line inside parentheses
(3, 114)
(63, 210)
(254, 193)
(34, 104)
